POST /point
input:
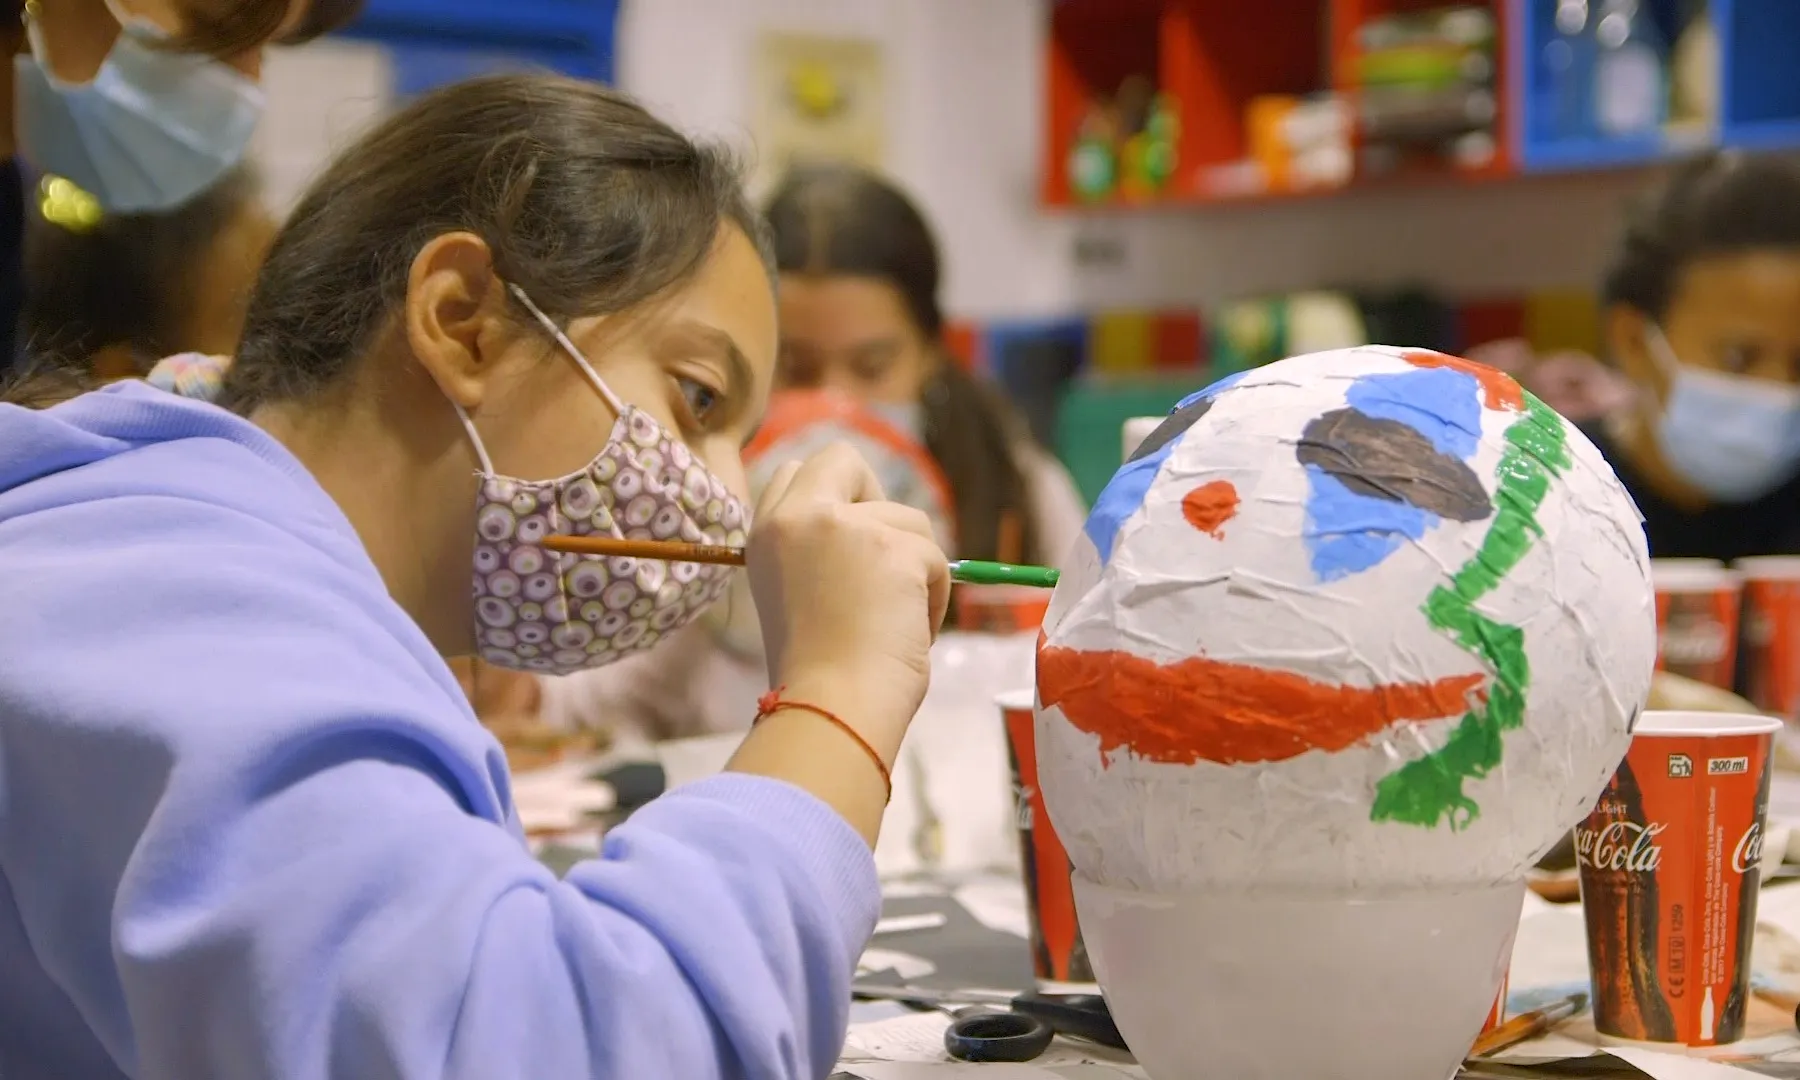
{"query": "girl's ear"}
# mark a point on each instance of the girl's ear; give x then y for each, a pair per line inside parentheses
(452, 299)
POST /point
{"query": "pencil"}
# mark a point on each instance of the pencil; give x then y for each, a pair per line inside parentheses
(967, 571)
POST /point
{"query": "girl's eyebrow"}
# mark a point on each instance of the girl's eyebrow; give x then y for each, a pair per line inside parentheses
(739, 381)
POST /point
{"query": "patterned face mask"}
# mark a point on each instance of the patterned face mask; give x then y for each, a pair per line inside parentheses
(554, 613)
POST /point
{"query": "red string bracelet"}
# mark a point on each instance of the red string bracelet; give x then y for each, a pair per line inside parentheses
(772, 702)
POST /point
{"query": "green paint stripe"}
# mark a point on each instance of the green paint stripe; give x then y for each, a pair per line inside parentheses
(1429, 790)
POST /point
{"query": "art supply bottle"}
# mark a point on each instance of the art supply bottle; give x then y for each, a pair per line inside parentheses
(1093, 160)
(1631, 64)
(1568, 72)
(1694, 71)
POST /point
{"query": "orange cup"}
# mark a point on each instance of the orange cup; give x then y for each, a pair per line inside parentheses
(1001, 609)
(1057, 951)
(1696, 619)
(1771, 633)
(1670, 866)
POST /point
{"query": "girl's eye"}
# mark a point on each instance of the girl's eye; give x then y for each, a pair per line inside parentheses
(1738, 358)
(702, 400)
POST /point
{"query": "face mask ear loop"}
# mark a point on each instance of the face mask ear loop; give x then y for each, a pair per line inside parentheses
(481, 454)
(1657, 343)
(555, 331)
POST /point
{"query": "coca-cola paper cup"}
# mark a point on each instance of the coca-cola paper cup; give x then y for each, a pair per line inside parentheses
(1497, 1015)
(1057, 951)
(1669, 862)
(1696, 619)
(1771, 633)
(1001, 609)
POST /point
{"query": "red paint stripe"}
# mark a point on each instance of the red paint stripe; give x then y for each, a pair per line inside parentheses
(1498, 389)
(1209, 710)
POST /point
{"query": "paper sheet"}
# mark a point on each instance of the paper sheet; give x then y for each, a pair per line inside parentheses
(1675, 1067)
(998, 904)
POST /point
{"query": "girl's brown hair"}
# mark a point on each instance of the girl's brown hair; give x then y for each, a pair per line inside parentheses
(840, 219)
(588, 203)
(226, 28)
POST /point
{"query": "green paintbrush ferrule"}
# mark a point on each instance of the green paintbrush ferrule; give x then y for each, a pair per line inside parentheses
(973, 572)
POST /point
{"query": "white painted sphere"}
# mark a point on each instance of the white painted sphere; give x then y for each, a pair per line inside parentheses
(1361, 620)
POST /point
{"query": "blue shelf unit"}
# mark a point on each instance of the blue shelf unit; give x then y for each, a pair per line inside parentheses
(433, 42)
(1759, 95)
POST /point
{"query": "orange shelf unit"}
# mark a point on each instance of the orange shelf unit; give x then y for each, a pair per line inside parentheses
(1224, 65)
(1095, 47)
(1346, 17)
(1209, 57)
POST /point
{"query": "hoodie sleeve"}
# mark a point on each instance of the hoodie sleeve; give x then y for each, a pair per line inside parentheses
(305, 864)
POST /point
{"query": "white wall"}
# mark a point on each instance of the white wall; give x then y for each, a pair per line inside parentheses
(964, 122)
(963, 126)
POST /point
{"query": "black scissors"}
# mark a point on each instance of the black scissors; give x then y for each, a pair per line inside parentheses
(1020, 1031)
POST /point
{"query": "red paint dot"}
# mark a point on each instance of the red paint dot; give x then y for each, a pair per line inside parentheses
(1209, 506)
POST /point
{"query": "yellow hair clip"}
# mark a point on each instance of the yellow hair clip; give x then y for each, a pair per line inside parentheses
(62, 203)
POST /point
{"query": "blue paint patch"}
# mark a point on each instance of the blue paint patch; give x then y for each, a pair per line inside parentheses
(1442, 404)
(1347, 532)
(1212, 391)
(1123, 496)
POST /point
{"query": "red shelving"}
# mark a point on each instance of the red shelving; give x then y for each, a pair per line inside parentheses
(1259, 101)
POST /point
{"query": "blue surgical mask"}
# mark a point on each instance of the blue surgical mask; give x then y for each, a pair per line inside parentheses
(1733, 437)
(153, 129)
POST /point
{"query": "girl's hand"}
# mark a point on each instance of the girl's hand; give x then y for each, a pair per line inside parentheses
(851, 590)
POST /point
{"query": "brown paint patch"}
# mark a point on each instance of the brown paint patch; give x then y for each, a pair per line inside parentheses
(1209, 506)
(1498, 389)
(1386, 459)
(1209, 710)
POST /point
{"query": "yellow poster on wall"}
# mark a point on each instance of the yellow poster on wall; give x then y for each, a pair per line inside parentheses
(817, 99)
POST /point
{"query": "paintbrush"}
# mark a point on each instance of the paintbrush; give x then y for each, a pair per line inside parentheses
(967, 571)
(1528, 1025)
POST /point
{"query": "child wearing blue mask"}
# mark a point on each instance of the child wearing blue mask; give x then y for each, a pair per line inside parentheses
(143, 105)
(1702, 313)
(249, 825)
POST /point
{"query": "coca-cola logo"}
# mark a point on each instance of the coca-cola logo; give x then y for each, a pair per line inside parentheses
(1697, 642)
(1022, 815)
(1620, 846)
(1748, 854)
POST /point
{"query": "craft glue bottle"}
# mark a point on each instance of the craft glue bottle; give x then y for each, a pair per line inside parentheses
(1631, 85)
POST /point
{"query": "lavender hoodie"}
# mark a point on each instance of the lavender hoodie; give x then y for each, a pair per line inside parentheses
(250, 829)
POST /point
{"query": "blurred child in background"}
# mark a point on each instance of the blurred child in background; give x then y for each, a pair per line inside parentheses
(860, 314)
(1702, 315)
(114, 293)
